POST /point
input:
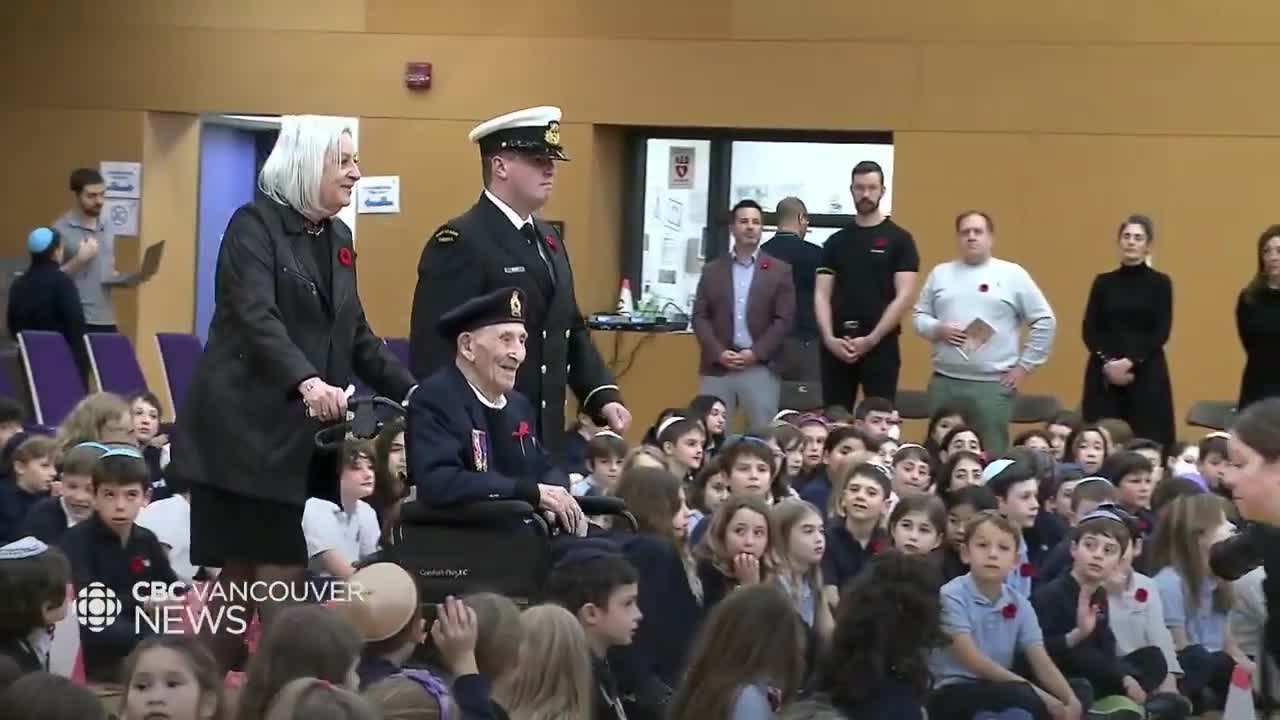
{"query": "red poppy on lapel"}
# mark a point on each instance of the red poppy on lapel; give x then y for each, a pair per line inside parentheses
(876, 546)
(1009, 611)
(764, 264)
(138, 564)
(1144, 525)
(881, 242)
(522, 430)
(1140, 595)
(983, 287)
(551, 241)
(345, 257)
(1028, 570)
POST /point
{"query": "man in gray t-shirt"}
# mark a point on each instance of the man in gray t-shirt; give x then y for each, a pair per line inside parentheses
(89, 249)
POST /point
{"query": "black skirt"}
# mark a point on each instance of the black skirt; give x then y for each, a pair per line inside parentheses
(231, 528)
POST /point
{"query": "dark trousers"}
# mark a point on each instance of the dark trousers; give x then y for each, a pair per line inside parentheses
(1146, 665)
(876, 373)
(800, 360)
(1146, 403)
(962, 701)
(1203, 669)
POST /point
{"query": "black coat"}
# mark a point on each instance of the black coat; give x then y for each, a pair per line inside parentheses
(244, 428)
(481, 251)
(45, 298)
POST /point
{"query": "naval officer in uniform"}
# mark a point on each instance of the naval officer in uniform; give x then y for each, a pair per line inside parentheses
(469, 435)
(499, 243)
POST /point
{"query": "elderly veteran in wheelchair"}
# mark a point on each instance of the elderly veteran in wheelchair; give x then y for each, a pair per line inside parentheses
(470, 435)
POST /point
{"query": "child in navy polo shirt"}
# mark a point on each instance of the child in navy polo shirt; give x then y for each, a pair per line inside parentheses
(49, 518)
(110, 549)
(1131, 473)
(31, 480)
(840, 446)
(962, 505)
(989, 624)
(855, 534)
(1017, 496)
(1076, 620)
(1088, 495)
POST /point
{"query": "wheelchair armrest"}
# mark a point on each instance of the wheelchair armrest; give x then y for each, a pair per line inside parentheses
(601, 505)
(416, 513)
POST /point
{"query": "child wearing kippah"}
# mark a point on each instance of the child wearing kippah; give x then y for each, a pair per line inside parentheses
(49, 518)
(33, 597)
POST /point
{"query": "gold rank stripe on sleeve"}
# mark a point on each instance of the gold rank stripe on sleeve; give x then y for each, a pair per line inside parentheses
(445, 235)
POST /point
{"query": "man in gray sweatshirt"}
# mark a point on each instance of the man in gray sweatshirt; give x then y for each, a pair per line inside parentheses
(972, 309)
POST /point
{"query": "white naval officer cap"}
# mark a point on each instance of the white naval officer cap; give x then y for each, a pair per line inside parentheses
(533, 131)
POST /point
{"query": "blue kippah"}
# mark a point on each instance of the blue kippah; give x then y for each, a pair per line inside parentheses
(26, 547)
(587, 549)
(40, 239)
(123, 452)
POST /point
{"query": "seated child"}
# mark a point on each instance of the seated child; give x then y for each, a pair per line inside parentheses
(305, 698)
(815, 431)
(1153, 452)
(1059, 428)
(1171, 489)
(748, 473)
(912, 470)
(580, 434)
(707, 492)
(962, 505)
(559, 684)
(962, 469)
(603, 460)
(49, 518)
(111, 549)
(1065, 479)
(1131, 474)
(33, 598)
(783, 441)
(917, 524)
(31, 480)
(1087, 447)
(1248, 622)
(734, 550)
(1075, 619)
(600, 588)
(874, 416)
(45, 696)
(1088, 495)
(1119, 433)
(948, 415)
(302, 641)
(681, 440)
(1212, 466)
(1180, 459)
(961, 438)
(1017, 496)
(173, 677)
(170, 520)
(855, 532)
(100, 417)
(797, 549)
(1196, 603)
(339, 536)
(877, 666)
(989, 624)
(1033, 439)
(145, 409)
(711, 410)
(1135, 614)
(841, 444)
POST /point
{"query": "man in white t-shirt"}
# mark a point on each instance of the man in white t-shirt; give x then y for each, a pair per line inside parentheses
(340, 535)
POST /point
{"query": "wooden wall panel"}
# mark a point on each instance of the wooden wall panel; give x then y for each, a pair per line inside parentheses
(304, 15)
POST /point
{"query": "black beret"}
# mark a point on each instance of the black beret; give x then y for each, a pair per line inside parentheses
(505, 305)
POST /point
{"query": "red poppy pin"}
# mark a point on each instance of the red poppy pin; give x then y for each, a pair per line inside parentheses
(1027, 570)
(345, 257)
(1144, 524)
(1140, 595)
(522, 432)
(983, 287)
(551, 241)
(1009, 611)
(138, 564)
(764, 264)
(876, 545)
(881, 242)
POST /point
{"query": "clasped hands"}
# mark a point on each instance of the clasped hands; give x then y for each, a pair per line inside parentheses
(737, 359)
(1118, 372)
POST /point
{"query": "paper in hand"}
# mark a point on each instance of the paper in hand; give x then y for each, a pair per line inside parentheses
(978, 333)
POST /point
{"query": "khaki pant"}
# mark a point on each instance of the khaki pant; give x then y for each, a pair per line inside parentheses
(992, 401)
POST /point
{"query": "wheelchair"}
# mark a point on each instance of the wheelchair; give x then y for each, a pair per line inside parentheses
(501, 546)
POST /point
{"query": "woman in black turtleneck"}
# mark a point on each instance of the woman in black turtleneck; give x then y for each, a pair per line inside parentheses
(1258, 322)
(1126, 324)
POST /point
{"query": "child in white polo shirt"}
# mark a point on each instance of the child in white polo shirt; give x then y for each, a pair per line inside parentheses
(340, 535)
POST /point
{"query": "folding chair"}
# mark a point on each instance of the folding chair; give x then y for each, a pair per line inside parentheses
(114, 364)
(912, 404)
(179, 353)
(1212, 414)
(1029, 409)
(52, 375)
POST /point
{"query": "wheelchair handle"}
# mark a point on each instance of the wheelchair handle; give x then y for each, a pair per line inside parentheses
(362, 421)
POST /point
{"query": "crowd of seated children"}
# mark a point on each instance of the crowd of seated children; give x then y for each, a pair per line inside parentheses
(604, 455)
(575, 450)
(173, 677)
(99, 417)
(45, 696)
(306, 698)
(1088, 495)
(1119, 432)
(748, 660)
(28, 480)
(813, 448)
(962, 505)
(1059, 427)
(49, 518)
(670, 590)
(1131, 474)
(339, 535)
(1016, 490)
(599, 587)
(144, 407)
(960, 470)
(943, 420)
(960, 438)
(304, 641)
(855, 533)
(711, 411)
(838, 449)
(780, 439)
(707, 492)
(681, 440)
(734, 551)
(33, 597)
(798, 543)
(390, 476)
(876, 665)
(917, 525)
(553, 679)
(912, 470)
(110, 548)
(1086, 447)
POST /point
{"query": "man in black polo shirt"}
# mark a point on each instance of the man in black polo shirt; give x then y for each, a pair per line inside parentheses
(800, 350)
(866, 280)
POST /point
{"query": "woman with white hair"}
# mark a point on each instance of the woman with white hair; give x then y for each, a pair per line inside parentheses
(287, 336)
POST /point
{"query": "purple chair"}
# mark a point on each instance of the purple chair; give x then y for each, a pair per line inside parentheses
(52, 375)
(399, 346)
(113, 364)
(179, 353)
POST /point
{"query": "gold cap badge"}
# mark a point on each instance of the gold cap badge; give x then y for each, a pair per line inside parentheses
(515, 304)
(553, 133)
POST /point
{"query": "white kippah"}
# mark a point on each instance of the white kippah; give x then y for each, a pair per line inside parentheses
(27, 547)
(607, 433)
(662, 427)
(995, 468)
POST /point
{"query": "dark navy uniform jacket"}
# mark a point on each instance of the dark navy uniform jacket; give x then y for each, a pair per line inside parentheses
(461, 451)
(481, 251)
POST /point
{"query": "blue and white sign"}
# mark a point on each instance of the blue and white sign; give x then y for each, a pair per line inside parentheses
(123, 179)
(378, 194)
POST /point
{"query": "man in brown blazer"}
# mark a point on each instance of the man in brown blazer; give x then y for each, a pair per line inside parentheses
(743, 310)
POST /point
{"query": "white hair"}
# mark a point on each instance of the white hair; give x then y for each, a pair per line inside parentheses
(291, 175)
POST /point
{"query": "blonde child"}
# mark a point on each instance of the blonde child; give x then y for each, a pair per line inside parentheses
(173, 677)
(306, 698)
(734, 550)
(101, 417)
(553, 682)
(917, 524)
(306, 641)
(799, 543)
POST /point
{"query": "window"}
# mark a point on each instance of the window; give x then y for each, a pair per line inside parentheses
(683, 185)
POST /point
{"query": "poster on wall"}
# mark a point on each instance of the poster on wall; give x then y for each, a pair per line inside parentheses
(122, 215)
(681, 175)
(123, 179)
(378, 194)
